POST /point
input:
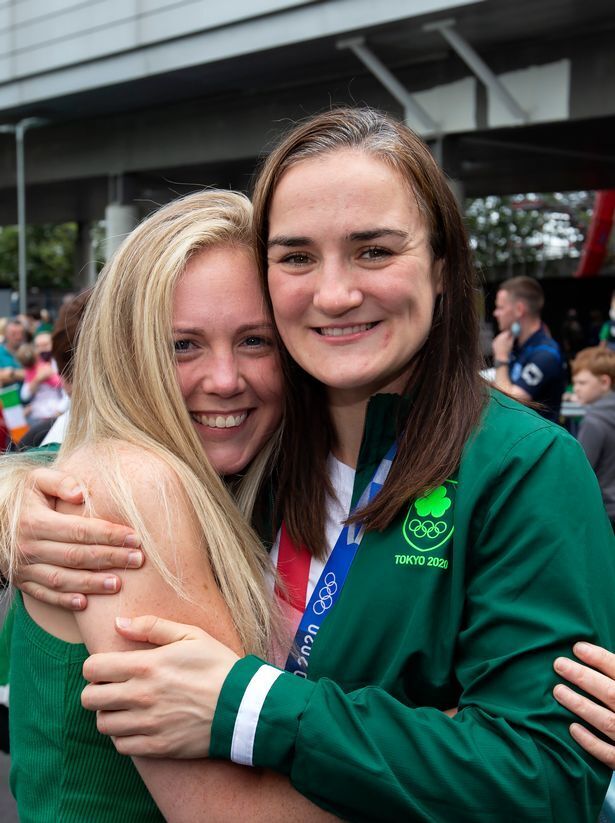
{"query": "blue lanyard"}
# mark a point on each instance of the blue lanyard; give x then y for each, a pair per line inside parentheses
(334, 574)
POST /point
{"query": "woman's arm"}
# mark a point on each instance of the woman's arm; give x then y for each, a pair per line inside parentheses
(184, 790)
(65, 556)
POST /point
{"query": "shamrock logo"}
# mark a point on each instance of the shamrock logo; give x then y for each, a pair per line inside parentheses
(435, 503)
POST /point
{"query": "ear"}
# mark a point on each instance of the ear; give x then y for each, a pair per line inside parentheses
(605, 382)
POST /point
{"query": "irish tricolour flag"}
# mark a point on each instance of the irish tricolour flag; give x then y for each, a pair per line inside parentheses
(12, 410)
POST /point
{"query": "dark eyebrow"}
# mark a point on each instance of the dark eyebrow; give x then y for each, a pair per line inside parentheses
(368, 234)
(289, 242)
(373, 234)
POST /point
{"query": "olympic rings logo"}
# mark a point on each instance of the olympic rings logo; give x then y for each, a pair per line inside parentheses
(426, 528)
(325, 594)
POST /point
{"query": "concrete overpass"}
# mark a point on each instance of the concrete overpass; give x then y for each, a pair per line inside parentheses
(147, 98)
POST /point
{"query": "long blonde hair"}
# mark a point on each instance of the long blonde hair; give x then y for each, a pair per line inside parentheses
(125, 389)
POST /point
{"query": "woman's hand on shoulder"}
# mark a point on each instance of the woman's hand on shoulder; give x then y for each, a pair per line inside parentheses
(597, 679)
(158, 702)
(65, 555)
(177, 582)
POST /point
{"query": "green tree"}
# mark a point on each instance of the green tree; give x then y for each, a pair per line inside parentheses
(50, 253)
(528, 229)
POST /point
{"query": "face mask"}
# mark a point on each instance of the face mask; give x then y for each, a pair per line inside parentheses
(46, 356)
(515, 329)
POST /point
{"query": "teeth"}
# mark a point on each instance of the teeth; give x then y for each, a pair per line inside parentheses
(220, 421)
(340, 332)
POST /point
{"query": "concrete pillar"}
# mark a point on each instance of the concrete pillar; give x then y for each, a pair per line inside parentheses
(120, 220)
(85, 261)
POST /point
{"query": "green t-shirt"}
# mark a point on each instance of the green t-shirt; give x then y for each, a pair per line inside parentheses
(44, 454)
(5, 644)
(62, 769)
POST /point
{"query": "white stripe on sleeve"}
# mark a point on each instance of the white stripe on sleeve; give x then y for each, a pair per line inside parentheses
(244, 732)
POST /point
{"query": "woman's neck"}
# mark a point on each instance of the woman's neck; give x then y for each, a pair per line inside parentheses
(348, 420)
(347, 409)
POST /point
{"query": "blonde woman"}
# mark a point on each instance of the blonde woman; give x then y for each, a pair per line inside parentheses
(176, 361)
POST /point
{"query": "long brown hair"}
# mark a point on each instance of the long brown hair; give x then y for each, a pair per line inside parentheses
(447, 392)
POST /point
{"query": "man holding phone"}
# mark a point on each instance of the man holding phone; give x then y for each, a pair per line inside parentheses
(529, 364)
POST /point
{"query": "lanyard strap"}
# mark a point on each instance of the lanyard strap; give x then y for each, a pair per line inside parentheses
(294, 572)
(333, 577)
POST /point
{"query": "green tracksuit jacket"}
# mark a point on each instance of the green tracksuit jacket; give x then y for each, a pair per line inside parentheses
(465, 600)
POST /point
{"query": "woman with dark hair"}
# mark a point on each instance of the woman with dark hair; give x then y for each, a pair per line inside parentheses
(464, 567)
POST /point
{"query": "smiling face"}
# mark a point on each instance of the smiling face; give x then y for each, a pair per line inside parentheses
(227, 365)
(351, 273)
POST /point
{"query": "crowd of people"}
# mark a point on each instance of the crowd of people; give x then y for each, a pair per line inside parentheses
(530, 364)
(347, 571)
(29, 363)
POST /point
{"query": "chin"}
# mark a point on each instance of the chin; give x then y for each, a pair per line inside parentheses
(225, 467)
(221, 464)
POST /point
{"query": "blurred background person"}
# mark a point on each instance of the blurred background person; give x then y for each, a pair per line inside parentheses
(64, 344)
(529, 364)
(595, 324)
(607, 332)
(27, 355)
(11, 370)
(593, 377)
(12, 419)
(42, 390)
(43, 320)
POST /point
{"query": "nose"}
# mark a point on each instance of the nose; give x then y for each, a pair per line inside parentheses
(223, 376)
(337, 289)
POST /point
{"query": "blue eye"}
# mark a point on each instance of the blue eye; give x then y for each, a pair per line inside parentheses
(181, 346)
(254, 341)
